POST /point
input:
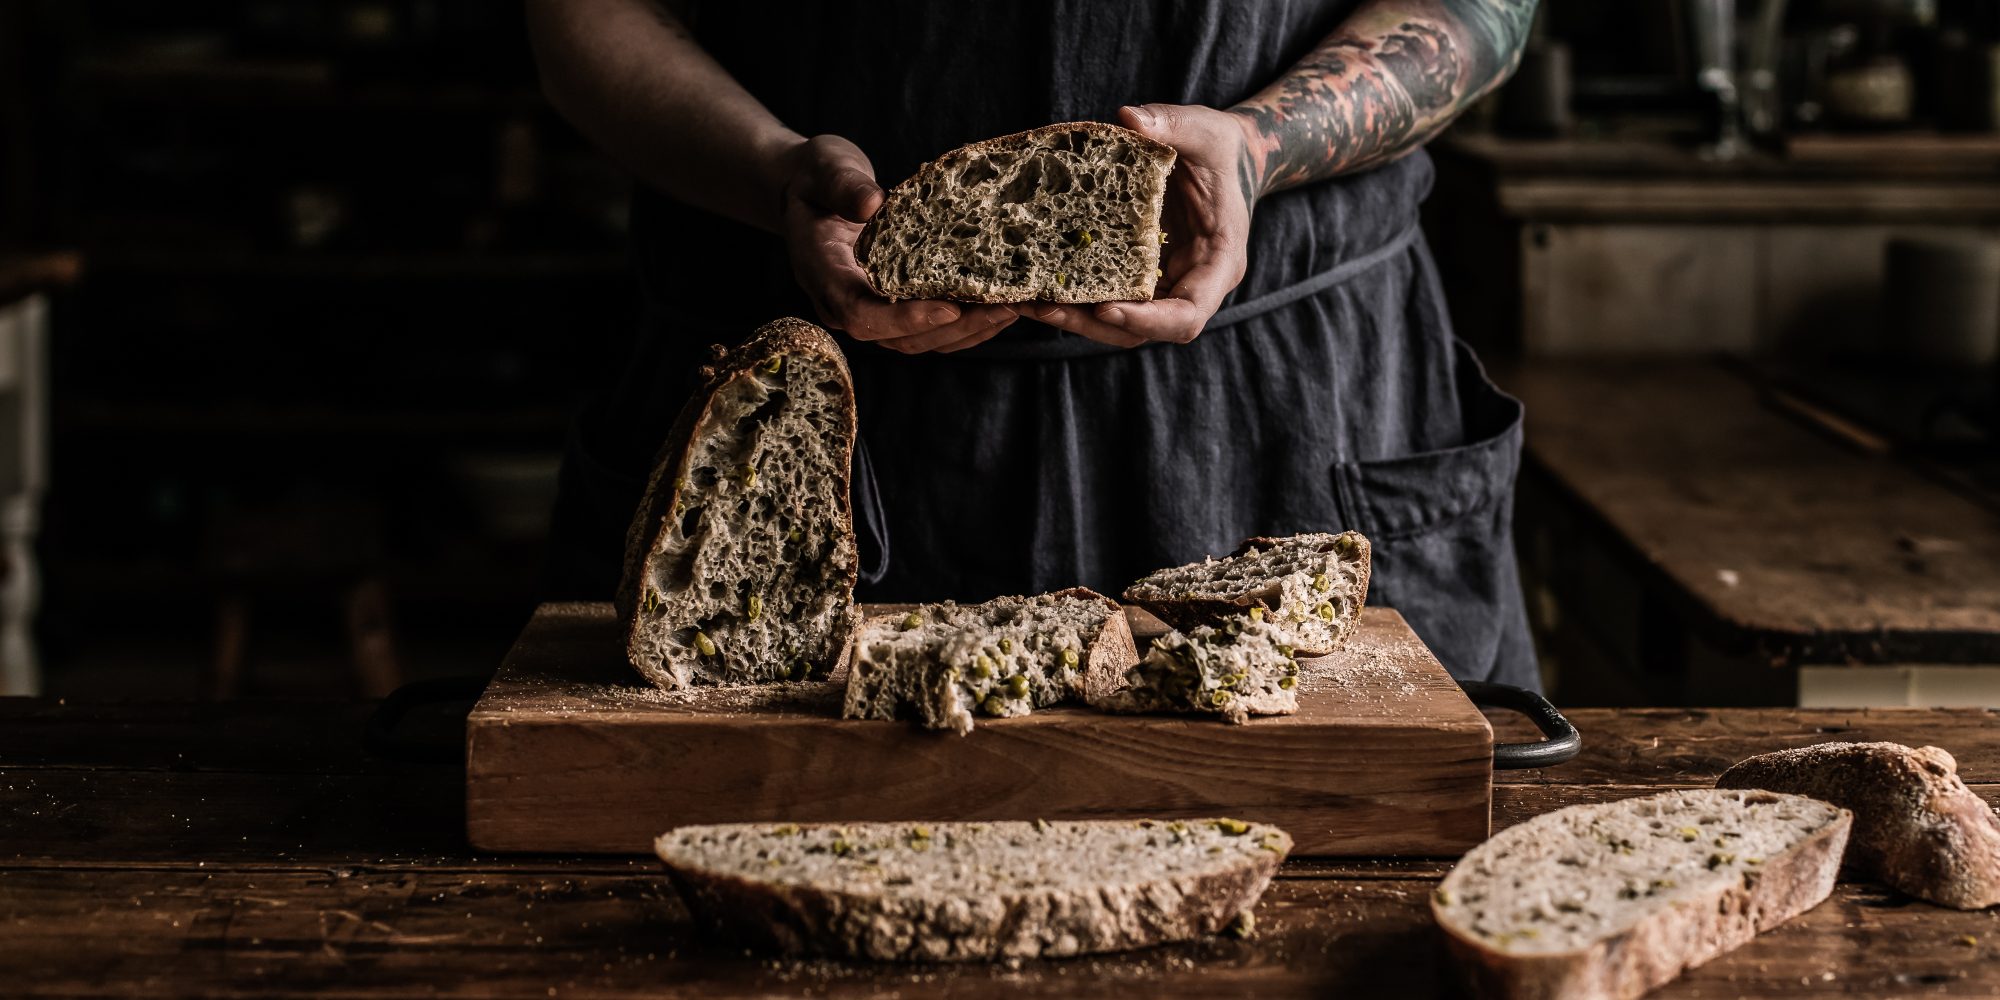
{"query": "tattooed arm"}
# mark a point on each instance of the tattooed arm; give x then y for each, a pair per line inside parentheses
(1393, 75)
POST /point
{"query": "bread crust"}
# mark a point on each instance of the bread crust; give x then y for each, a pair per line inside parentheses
(1036, 923)
(903, 194)
(1917, 827)
(1665, 943)
(787, 335)
(1187, 614)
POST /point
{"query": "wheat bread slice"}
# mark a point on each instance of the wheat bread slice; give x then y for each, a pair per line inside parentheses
(945, 663)
(1242, 669)
(1916, 826)
(1063, 213)
(1613, 899)
(1312, 586)
(740, 560)
(973, 891)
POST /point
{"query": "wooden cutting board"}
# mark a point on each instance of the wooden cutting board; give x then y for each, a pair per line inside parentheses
(569, 751)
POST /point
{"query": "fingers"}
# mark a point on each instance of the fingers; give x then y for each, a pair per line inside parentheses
(1179, 316)
(1081, 321)
(978, 325)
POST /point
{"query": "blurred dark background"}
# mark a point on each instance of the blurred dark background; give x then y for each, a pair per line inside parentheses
(319, 282)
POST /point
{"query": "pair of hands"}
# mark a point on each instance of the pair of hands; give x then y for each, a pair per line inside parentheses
(831, 192)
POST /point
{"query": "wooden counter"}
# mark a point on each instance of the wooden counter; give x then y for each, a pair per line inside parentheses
(254, 849)
(1710, 544)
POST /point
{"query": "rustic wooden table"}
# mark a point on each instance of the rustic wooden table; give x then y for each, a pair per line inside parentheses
(255, 849)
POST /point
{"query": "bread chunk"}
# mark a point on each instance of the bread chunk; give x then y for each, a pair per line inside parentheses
(740, 561)
(946, 663)
(1613, 899)
(1062, 213)
(973, 891)
(1309, 586)
(1242, 669)
(1916, 826)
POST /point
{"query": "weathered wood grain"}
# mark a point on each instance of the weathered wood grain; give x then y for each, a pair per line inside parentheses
(402, 933)
(569, 753)
(1691, 746)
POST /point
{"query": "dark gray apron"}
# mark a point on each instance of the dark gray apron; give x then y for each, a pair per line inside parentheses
(1328, 393)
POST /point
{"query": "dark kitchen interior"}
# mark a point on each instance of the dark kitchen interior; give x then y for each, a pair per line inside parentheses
(298, 299)
(330, 278)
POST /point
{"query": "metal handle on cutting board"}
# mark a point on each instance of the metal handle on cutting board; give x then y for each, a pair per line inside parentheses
(1562, 742)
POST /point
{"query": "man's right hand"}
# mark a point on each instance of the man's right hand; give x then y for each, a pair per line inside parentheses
(829, 192)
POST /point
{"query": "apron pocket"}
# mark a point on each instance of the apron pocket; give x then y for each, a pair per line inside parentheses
(1441, 524)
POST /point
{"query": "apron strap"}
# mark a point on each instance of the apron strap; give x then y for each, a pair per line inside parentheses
(1067, 346)
(871, 527)
(1313, 285)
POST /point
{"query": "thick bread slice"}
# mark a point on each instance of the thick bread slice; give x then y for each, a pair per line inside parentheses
(1242, 669)
(1916, 826)
(959, 891)
(1616, 898)
(944, 663)
(1062, 213)
(1312, 586)
(740, 561)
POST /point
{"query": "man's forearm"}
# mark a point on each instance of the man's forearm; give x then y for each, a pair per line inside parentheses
(629, 75)
(1393, 75)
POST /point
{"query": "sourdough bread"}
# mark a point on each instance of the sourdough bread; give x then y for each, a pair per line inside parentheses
(1063, 213)
(1916, 826)
(945, 663)
(1309, 586)
(1617, 898)
(967, 891)
(1242, 669)
(740, 561)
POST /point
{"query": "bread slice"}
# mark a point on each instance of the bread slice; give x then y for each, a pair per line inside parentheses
(1062, 213)
(1311, 586)
(1242, 669)
(740, 561)
(968, 891)
(1916, 826)
(1616, 898)
(944, 663)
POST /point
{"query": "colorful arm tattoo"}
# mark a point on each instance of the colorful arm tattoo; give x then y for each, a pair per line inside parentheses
(1393, 75)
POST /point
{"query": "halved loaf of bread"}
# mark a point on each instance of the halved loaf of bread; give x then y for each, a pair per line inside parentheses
(1309, 586)
(1242, 669)
(1916, 826)
(944, 663)
(740, 561)
(1614, 899)
(1062, 213)
(961, 891)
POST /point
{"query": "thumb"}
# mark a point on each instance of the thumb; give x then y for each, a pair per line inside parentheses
(839, 179)
(848, 192)
(1163, 122)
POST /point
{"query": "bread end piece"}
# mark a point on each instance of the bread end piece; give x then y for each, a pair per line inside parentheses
(1916, 827)
(740, 560)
